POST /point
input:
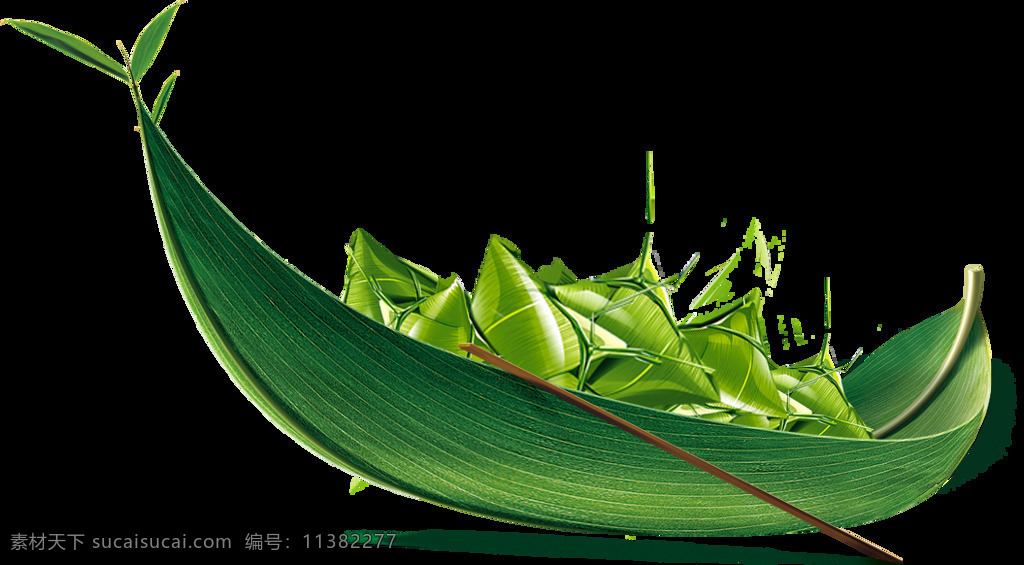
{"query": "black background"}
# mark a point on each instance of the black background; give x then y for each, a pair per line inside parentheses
(121, 421)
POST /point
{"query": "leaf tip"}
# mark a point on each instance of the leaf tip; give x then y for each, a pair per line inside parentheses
(3, 21)
(356, 485)
(177, 73)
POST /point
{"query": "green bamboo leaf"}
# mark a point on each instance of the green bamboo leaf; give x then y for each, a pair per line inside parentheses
(384, 407)
(151, 39)
(517, 319)
(160, 104)
(71, 45)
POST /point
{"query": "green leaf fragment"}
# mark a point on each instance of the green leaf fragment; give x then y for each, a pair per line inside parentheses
(556, 272)
(356, 485)
(73, 46)
(782, 332)
(149, 41)
(798, 332)
(719, 289)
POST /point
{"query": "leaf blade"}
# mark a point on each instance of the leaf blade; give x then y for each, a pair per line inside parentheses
(164, 96)
(78, 48)
(149, 41)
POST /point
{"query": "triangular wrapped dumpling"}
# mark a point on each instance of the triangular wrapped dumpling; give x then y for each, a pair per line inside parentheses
(378, 283)
(515, 316)
(442, 319)
(629, 303)
(815, 384)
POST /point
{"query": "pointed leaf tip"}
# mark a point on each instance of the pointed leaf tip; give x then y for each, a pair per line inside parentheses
(357, 484)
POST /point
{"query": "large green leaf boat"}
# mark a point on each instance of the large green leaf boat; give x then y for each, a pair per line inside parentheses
(424, 423)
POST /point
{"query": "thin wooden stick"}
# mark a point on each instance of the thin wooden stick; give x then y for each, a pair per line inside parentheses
(839, 534)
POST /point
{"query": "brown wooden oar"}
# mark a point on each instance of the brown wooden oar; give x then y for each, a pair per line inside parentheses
(847, 537)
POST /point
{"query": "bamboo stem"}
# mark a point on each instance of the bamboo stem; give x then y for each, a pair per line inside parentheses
(847, 537)
(650, 188)
(828, 321)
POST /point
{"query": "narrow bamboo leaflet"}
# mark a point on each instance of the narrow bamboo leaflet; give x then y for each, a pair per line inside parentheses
(160, 104)
(78, 48)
